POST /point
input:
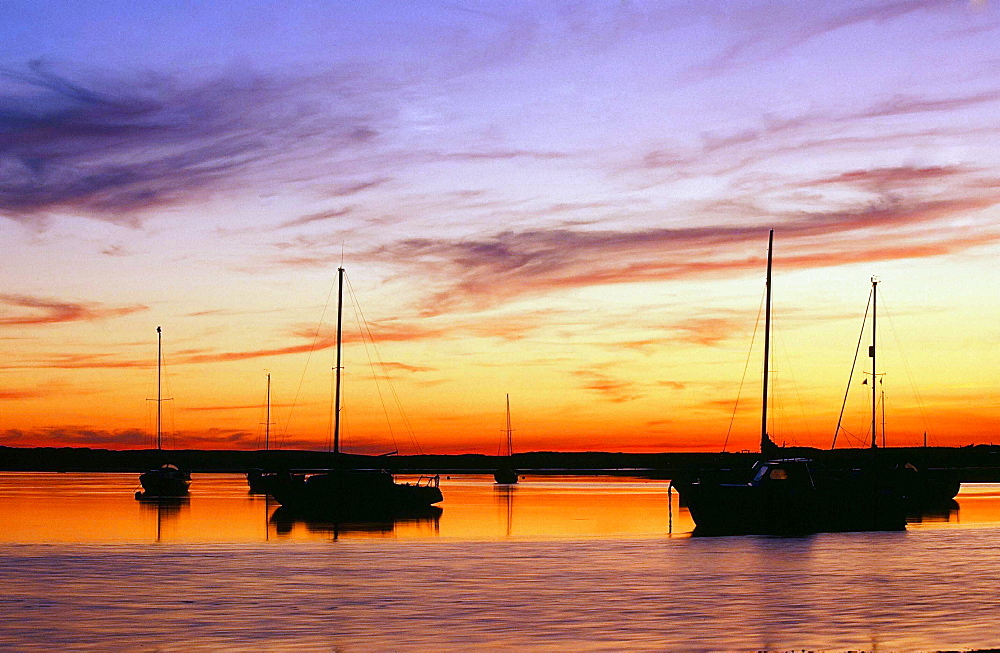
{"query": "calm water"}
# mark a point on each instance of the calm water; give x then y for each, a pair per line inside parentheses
(555, 563)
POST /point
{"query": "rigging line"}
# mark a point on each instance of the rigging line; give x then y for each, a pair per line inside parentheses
(906, 367)
(850, 378)
(858, 440)
(746, 366)
(170, 395)
(359, 318)
(795, 388)
(399, 405)
(312, 347)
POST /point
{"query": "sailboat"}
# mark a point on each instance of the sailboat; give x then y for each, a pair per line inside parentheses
(924, 487)
(792, 495)
(505, 474)
(166, 480)
(352, 492)
(259, 480)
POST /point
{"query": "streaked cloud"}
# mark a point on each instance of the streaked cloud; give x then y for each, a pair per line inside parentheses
(37, 311)
(112, 147)
(614, 390)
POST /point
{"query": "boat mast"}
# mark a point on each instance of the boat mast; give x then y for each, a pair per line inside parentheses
(159, 384)
(510, 446)
(267, 422)
(871, 352)
(765, 441)
(340, 315)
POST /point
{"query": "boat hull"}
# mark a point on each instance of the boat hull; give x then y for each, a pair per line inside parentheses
(166, 481)
(261, 482)
(352, 493)
(505, 476)
(853, 500)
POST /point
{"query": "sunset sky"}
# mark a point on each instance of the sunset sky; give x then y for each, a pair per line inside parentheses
(566, 202)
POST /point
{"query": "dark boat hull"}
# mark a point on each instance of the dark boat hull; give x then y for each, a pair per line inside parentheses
(166, 481)
(852, 500)
(261, 482)
(505, 476)
(352, 493)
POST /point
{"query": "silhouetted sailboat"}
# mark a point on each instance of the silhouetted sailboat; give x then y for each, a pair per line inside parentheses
(505, 473)
(166, 480)
(351, 492)
(921, 487)
(792, 495)
(259, 480)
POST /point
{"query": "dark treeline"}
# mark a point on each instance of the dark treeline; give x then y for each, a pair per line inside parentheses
(975, 463)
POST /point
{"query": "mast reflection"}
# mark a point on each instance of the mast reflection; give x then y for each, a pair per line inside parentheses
(505, 502)
(166, 509)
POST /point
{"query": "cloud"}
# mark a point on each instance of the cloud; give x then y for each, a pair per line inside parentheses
(613, 390)
(15, 395)
(50, 311)
(393, 365)
(62, 436)
(479, 273)
(773, 31)
(232, 407)
(315, 217)
(707, 331)
(57, 436)
(81, 362)
(114, 148)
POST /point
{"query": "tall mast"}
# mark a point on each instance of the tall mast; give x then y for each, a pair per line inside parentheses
(267, 422)
(764, 440)
(159, 400)
(340, 315)
(510, 446)
(871, 352)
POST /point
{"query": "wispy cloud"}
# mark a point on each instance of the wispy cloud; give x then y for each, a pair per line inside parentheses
(232, 407)
(707, 331)
(113, 148)
(38, 311)
(614, 390)
(762, 34)
(321, 216)
(485, 272)
(60, 436)
(15, 395)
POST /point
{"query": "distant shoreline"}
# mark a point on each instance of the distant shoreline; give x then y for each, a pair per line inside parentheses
(976, 463)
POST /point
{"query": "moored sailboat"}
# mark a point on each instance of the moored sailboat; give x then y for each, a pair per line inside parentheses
(505, 474)
(922, 487)
(260, 480)
(349, 492)
(792, 495)
(167, 480)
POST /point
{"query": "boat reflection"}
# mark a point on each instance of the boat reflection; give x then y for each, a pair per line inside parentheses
(505, 502)
(167, 510)
(939, 512)
(40, 507)
(424, 522)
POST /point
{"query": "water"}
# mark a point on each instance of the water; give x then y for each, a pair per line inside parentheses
(555, 563)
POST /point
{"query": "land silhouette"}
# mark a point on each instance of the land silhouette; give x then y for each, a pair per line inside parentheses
(977, 463)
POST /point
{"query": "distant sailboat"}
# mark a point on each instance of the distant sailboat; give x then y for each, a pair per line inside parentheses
(352, 492)
(505, 473)
(166, 480)
(259, 480)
